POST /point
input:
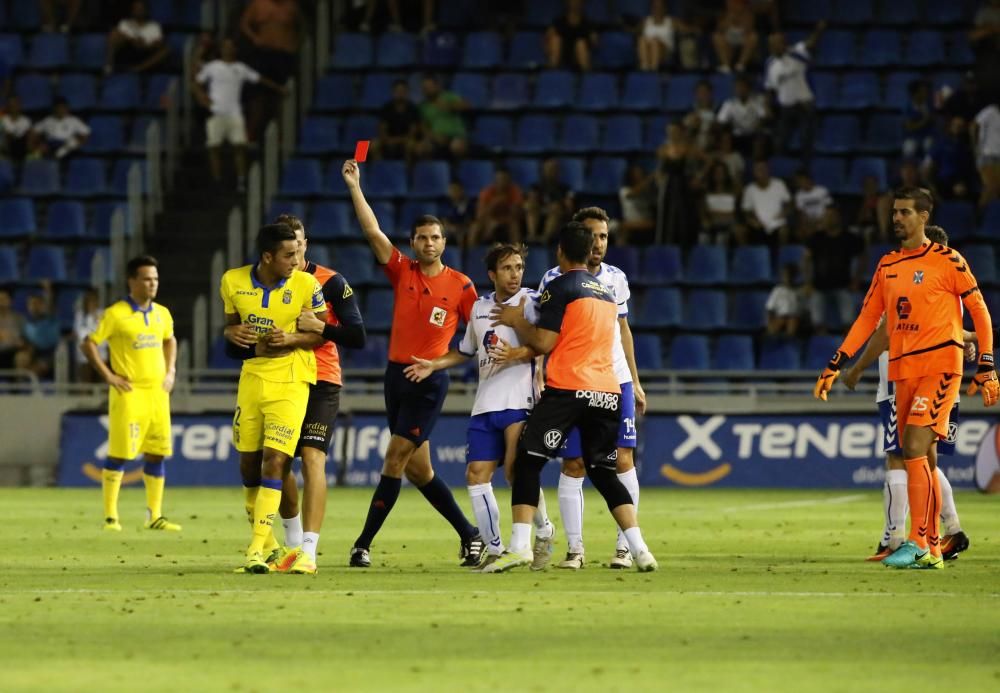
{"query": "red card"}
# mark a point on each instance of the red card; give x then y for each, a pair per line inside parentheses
(361, 151)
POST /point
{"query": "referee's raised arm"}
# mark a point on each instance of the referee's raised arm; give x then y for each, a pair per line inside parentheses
(379, 242)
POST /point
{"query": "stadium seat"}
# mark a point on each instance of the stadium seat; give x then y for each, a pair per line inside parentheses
(296, 208)
(983, 261)
(790, 254)
(84, 262)
(579, 134)
(836, 49)
(301, 178)
(334, 93)
(990, 226)
(859, 90)
(598, 92)
(960, 51)
(65, 220)
(819, 349)
(615, 50)
(830, 172)
(857, 12)
(35, 92)
(706, 265)
(48, 51)
(395, 50)
(535, 266)
(825, 86)
(6, 175)
(924, 49)
(751, 264)
(526, 51)
(136, 142)
(554, 89)
(39, 177)
(156, 92)
(319, 135)
(441, 50)
(11, 49)
(680, 92)
(622, 133)
(474, 175)
(374, 355)
(660, 308)
(784, 167)
(9, 267)
(86, 177)
(810, 11)
(863, 167)
(386, 179)
(80, 91)
(430, 179)
(884, 133)
(66, 302)
(880, 48)
(89, 51)
(360, 128)
(901, 13)
(120, 175)
(643, 91)
(535, 134)
(661, 264)
(494, 133)
(705, 309)
(733, 353)
(541, 13)
(780, 355)
(107, 134)
(45, 262)
(571, 173)
(475, 261)
(510, 92)
(655, 132)
(331, 220)
(472, 87)
(120, 92)
(605, 176)
(689, 352)
(524, 171)
(102, 217)
(957, 217)
(483, 50)
(648, 352)
(748, 311)
(320, 254)
(356, 262)
(838, 134)
(376, 90)
(897, 86)
(351, 51)
(378, 309)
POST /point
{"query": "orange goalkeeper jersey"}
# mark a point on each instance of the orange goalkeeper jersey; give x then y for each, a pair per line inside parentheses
(920, 291)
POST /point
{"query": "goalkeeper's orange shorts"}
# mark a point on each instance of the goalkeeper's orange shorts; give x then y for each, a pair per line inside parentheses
(927, 401)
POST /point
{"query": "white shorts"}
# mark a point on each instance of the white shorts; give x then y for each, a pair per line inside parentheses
(225, 128)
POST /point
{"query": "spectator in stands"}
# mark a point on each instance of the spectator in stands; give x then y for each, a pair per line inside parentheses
(638, 202)
(459, 214)
(59, 134)
(986, 133)
(395, 9)
(951, 166)
(41, 333)
(444, 132)
(721, 149)
(136, 44)
(16, 129)
(718, 206)
(499, 212)
(680, 159)
(811, 203)
(765, 207)
(658, 36)
(86, 318)
(569, 40)
(745, 112)
(549, 204)
(785, 78)
(918, 120)
(735, 38)
(398, 127)
(49, 9)
(274, 30)
(832, 266)
(11, 330)
(224, 78)
(784, 304)
(701, 119)
(966, 101)
(985, 35)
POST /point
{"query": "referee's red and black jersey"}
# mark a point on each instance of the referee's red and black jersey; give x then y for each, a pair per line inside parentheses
(582, 310)
(341, 309)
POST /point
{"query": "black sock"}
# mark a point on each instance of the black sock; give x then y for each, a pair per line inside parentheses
(439, 495)
(383, 499)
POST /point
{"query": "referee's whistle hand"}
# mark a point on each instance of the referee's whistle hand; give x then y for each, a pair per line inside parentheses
(419, 370)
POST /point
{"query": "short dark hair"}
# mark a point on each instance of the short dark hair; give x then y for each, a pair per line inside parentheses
(425, 220)
(936, 234)
(291, 221)
(922, 200)
(132, 268)
(576, 241)
(596, 213)
(271, 236)
(501, 251)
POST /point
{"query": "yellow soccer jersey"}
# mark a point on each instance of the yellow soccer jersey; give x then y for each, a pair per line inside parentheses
(135, 339)
(264, 309)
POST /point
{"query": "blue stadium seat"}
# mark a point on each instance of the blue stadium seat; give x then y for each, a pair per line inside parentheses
(48, 51)
(162, 11)
(579, 133)
(705, 309)
(615, 50)
(107, 134)
(605, 176)
(643, 92)
(510, 92)
(689, 352)
(120, 175)
(296, 208)
(65, 219)
(896, 89)
(320, 254)
(655, 132)
(733, 352)
(472, 87)
(475, 174)
(880, 48)
(156, 92)
(830, 172)
(357, 262)
(819, 349)
(859, 90)
(983, 260)
(46, 262)
(376, 90)
(6, 175)
(706, 265)
(960, 51)
(524, 171)
(825, 86)
(386, 179)
(541, 13)
(483, 50)
(66, 302)
(957, 217)
(648, 352)
(493, 132)
(900, 13)
(622, 133)
(360, 128)
(80, 91)
(86, 177)
(780, 355)
(374, 355)
(783, 167)
(938, 13)
(35, 92)
(83, 263)
(598, 92)
(537, 264)
(535, 134)
(378, 309)
(858, 12)
(790, 254)
(332, 220)
(809, 11)
(120, 92)
(554, 89)
(89, 51)
(319, 135)
(836, 49)
(838, 134)
(571, 173)
(863, 167)
(39, 177)
(430, 179)
(334, 93)
(925, 49)
(301, 178)
(661, 264)
(351, 51)
(441, 50)
(395, 49)
(660, 308)
(884, 133)
(10, 269)
(625, 258)
(136, 141)
(475, 261)
(526, 51)
(751, 264)
(748, 313)
(990, 225)
(11, 49)
(680, 92)
(103, 215)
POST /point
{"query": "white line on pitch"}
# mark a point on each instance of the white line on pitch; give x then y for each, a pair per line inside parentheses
(795, 504)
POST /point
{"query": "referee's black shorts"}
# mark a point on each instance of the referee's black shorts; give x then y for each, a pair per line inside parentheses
(321, 415)
(412, 409)
(595, 414)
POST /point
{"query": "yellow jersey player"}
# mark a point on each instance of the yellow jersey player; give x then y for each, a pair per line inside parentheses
(262, 303)
(140, 335)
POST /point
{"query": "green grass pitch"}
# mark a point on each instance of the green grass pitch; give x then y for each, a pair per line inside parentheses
(757, 591)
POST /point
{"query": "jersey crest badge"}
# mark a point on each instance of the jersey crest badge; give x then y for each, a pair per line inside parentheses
(286, 297)
(918, 277)
(437, 316)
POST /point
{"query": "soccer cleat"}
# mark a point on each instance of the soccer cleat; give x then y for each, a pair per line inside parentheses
(254, 564)
(282, 558)
(645, 562)
(111, 524)
(543, 550)
(881, 551)
(573, 561)
(509, 560)
(622, 560)
(489, 560)
(472, 552)
(303, 565)
(360, 558)
(163, 524)
(953, 544)
(929, 562)
(905, 556)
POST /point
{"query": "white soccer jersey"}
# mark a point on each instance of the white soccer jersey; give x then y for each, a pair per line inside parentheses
(501, 387)
(617, 283)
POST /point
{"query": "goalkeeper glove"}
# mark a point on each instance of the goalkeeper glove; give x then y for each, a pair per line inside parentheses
(829, 375)
(985, 379)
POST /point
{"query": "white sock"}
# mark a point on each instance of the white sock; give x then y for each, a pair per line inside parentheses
(310, 541)
(543, 528)
(520, 537)
(949, 513)
(635, 542)
(630, 481)
(571, 511)
(896, 505)
(293, 530)
(484, 505)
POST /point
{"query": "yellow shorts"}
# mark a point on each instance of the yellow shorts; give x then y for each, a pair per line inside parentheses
(268, 414)
(139, 422)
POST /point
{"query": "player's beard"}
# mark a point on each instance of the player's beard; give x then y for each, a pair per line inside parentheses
(900, 231)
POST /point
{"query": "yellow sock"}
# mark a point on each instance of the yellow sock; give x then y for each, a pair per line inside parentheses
(154, 495)
(264, 511)
(249, 501)
(111, 483)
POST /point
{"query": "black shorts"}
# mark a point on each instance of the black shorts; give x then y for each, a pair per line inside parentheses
(595, 414)
(321, 415)
(413, 408)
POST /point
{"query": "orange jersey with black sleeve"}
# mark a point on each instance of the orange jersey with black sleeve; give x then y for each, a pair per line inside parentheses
(341, 309)
(578, 306)
(920, 292)
(426, 310)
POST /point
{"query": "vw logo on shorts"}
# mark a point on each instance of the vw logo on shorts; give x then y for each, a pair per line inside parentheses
(552, 438)
(952, 432)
